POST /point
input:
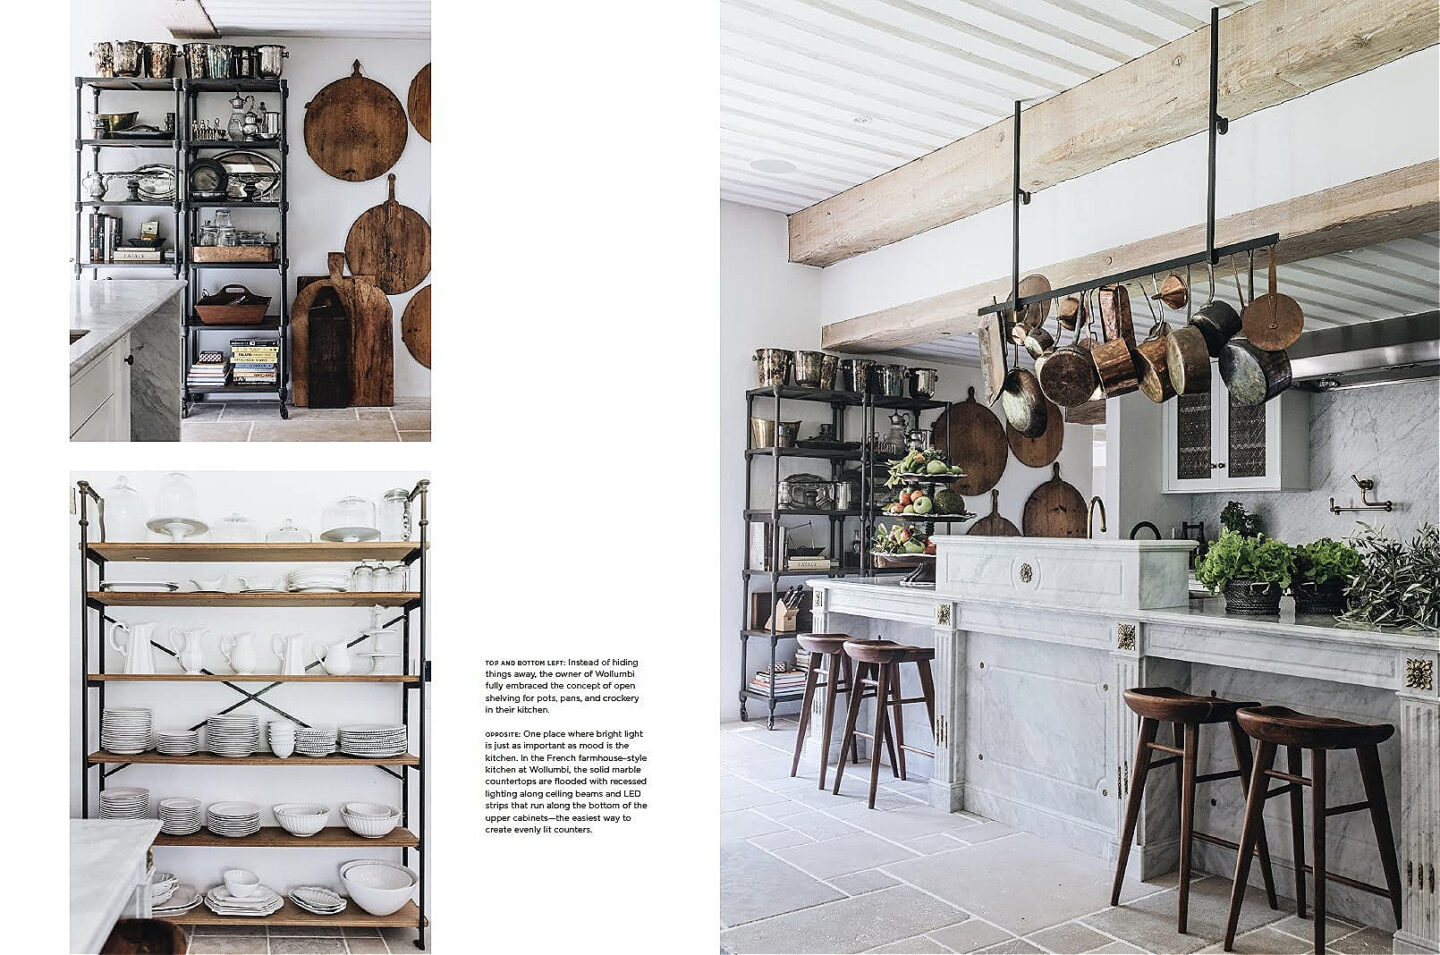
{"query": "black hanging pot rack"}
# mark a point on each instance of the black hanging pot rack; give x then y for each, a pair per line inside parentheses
(1210, 255)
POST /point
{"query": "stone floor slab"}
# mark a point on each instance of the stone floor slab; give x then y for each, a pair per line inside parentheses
(1367, 941)
(970, 935)
(783, 839)
(1150, 922)
(744, 823)
(278, 430)
(212, 430)
(866, 880)
(756, 885)
(1015, 945)
(843, 854)
(1072, 937)
(919, 945)
(849, 925)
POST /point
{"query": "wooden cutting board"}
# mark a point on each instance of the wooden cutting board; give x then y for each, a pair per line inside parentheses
(415, 326)
(992, 524)
(1042, 451)
(1055, 509)
(308, 287)
(329, 354)
(974, 439)
(355, 128)
(418, 102)
(372, 338)
(391, 242)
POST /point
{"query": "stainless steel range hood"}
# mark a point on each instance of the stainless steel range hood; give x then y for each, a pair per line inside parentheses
(1368, 353)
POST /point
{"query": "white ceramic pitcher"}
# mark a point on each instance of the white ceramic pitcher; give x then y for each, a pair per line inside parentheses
(188, 648)
(239, 651)
(136, 649)
(290, 648)
(335, 657)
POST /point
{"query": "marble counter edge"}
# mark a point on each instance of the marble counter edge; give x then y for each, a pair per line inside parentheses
(155, 295)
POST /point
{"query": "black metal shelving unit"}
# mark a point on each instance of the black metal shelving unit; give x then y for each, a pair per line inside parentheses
(866, 513)
(410, 771)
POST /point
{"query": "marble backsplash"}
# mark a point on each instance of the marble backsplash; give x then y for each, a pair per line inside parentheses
(1390, 434)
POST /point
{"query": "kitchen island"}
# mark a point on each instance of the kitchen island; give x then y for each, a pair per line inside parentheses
(125, 360)
(1035, 641)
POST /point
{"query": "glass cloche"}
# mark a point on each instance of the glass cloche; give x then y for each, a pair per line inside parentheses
(236, 528)
(349, 519)
(124, 512)
(176, 508)
(288, 532)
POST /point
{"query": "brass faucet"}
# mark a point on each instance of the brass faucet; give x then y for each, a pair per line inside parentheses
(1090, 517)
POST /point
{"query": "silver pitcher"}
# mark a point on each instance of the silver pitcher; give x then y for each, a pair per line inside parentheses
(270, 61)
(129, 57)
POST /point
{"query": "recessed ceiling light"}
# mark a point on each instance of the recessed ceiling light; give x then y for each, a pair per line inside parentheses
(862, 120)
(778, 167)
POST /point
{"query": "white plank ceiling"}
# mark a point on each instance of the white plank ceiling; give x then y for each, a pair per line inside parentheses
(394, 19)
(843, 90)
(1400, 277)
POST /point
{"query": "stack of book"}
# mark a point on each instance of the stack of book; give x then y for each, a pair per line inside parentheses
(820, 562)
(104, 237)
(254, 361)
(212, 369)
(791, 681)
(136, 253)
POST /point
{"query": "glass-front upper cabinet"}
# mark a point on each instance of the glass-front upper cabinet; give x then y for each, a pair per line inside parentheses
(1213, 444)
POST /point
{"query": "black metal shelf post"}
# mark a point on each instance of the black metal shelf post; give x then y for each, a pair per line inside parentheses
(416, 665)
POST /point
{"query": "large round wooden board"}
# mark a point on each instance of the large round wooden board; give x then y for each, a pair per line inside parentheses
(1055, 509)
(992, 524)
(310, 287)
(418, 102)
(392, 243)
(415, 326)
(355, 128)
(1042, 451)
(979, 444)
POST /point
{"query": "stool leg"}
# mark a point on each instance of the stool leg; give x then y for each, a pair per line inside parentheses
(852, 714)
(1297, 827)
(831, 681)
(1370, 774)
(1187, 818)
(927, 690)
(1254, 812)
(1317, 841)
(848, 671)
(1241, 744)
(1132, 805)
(812, 676)
(898, 718)
(882, 680)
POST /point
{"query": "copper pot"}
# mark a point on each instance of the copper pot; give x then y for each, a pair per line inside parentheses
(1023, 401)
(1151, 358)
(1113, 364)
(1253, 375)
(1067, 375)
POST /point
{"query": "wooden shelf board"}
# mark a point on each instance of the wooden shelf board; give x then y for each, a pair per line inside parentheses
(271, 837)
(308, 552)
(251, 678)
(259, 759)
(407, 917)
(183, 599)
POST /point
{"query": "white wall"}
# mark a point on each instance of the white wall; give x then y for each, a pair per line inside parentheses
(266, 498)
(322, 208)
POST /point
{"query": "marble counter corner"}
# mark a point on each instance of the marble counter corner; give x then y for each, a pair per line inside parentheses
(107, 310)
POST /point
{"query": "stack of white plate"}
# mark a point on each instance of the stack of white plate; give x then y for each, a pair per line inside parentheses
(373, 740)
(265, 901)
(318, 899)
(177, 742)
(162, 886)
(181, 900)
(179, 816)
(282, 738)
(232, 734)
(235, 820)
(317, 582)
(125, 803)
(126, 730)
(314, 741)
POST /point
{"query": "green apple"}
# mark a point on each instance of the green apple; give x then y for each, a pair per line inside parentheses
(922, 505)
(937, 467)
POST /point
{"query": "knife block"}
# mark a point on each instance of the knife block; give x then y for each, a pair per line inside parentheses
(788, 622)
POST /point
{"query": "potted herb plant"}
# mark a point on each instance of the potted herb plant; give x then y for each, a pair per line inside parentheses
(1323, 569)
(1251, 571)
(1396, 586)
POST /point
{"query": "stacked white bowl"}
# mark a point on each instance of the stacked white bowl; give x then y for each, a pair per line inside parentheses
(301, 818)
(177, 742)
(380, 888)
(318, 899)
(125, 803)
(180, 816)
(282, 738)
(314, 741)
(372, 820)
(162, 886)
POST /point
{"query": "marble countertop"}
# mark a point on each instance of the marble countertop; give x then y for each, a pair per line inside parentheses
(109, 309)
(1209, 614)
(106, 856)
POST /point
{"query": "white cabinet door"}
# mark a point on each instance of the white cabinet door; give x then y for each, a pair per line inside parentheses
(1212, 444)
(100, 397)
(1194, 439)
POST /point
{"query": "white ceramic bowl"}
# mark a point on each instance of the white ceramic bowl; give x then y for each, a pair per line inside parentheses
(242, 883)
(282, 748)
(301, 818)
(372, 810)
(371, 827)
(380, 888)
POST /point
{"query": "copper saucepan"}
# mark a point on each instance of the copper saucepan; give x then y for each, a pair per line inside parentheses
(1113, 364)
(1151, 358)
(1187, 357)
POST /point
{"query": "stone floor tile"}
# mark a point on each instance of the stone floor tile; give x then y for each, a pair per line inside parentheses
(736, 793)
(1335, 929)
(783, 839)
(1070, 938)
(374, 413)
(832, 857)
(866, 880)
(783, 810)
(244, 929)
(1367, 941)
(969, 936)
(1018, 945)
(251, 411)
(307, 946)
(919, 945)
(322, 414)
(229, 945)
(368, 946)
(744, 823)
(411, 420)
(1118, 948)
(906, 822)
(323, 431)
(415, 437)
(985, 831)
(214, 431)
(756, 885)
(939, 842)
(411, 404)
(1150, 922)
(360, 931)
(205, 411)
(307, 931)
(820, 826)
(1265, 941)
(402, 940)
(849, 925)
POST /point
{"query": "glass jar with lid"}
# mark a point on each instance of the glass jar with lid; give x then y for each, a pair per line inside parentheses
(236, 528)
(394, 515)
(349, 519)
(124, 514)
(225, 233)
(288, 532)
(207, 234)
(362, 578)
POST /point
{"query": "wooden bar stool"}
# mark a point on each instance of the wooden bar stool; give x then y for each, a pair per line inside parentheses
(836, 677)
(1275, 726)
(1186, 714)
(877, 664)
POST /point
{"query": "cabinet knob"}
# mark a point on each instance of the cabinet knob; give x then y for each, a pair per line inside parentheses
(1215, 467)
(129, 359)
